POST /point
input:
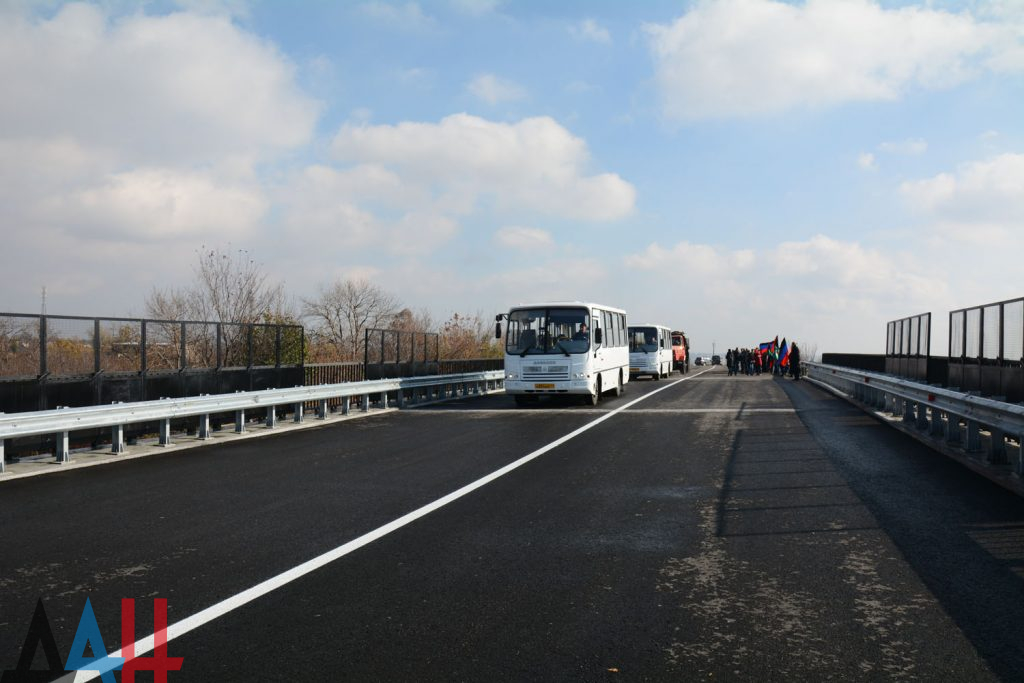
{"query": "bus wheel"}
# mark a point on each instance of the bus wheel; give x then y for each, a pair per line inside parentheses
(595, 395)
(618, 386)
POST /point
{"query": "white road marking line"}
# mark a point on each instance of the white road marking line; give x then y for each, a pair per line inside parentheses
(597, 411)
(207, 615)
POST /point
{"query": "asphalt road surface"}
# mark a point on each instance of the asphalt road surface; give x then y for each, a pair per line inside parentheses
(706, 528)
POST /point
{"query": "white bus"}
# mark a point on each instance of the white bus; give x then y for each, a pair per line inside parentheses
(650, 350)
(562, 348)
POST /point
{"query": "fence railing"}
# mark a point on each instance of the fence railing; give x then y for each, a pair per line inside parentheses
(61, 345)
(908, 346)
(983, 433)
(62, 423)
(986, 349)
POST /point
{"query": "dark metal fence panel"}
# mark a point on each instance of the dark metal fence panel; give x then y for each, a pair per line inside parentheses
(19, 346)
(49, 361)
(991, 338)
(957, 320)
(908, 346)
(986, 348)
(201, 345)
(70, 347)
(972, 337)
(1013, 330)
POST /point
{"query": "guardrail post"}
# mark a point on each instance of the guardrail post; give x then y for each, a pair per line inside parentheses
(240, 421)
(973, 442)
(321, 412)
(63, 451)
(953, 435)
(165, 432)
(204, 427)
(922, 416)
(936, 426)
(383, 399)
(299, 412)
(346, 404)
(997, 447)
(271, 417)
(365, 403)
(908, 410)
(401, 398)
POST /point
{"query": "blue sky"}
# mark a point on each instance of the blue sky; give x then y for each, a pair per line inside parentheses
(737, 168)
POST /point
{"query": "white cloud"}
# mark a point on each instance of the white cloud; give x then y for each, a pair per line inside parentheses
(534, 164)
(588, 29)
(866, 160)
(747, 57)
(524, 238)
(909, 147)
(820, 290)
(151, 204)
(492, 90)
(701, 259)
(980, 195)
(180, 88)
(342, 208)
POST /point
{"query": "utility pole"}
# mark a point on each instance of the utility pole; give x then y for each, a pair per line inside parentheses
(43, 311)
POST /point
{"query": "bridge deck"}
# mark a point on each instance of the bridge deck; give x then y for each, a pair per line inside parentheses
(734, 528)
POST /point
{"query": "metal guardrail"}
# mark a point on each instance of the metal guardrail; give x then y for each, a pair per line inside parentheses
(954, 422)
(62, 422)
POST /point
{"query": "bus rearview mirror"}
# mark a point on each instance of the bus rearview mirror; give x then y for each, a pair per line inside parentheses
(497, 330)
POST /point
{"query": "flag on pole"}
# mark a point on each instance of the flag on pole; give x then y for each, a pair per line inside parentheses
(784, 353)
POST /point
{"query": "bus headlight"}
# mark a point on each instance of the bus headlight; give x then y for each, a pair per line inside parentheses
(581, 375)
(511, 375)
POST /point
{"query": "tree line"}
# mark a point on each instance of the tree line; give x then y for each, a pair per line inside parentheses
(234, 287)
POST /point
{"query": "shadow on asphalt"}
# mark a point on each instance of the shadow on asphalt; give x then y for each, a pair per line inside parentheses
(962, 534)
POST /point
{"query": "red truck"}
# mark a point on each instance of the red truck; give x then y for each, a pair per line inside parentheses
(680, 352)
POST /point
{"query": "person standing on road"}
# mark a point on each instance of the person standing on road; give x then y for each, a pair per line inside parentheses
(794, 362)
(728, 361)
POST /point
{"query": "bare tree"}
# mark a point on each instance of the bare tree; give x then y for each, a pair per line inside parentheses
(468, 336)
(227, 288)
(343, 310)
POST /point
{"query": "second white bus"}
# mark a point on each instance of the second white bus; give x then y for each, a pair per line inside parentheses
(561, 348)
(650, 350)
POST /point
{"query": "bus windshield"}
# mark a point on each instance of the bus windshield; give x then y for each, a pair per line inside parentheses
(548, 330)
(643, 339)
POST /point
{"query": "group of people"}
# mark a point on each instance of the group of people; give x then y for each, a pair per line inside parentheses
(758, 360)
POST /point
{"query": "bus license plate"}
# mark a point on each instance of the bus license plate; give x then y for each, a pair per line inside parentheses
(543, 386)
(634, 369)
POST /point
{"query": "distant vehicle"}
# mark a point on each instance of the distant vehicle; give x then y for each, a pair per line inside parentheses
(564, 348)
(650, 351)
(680, 351)
(698, 361)
(716, 360)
